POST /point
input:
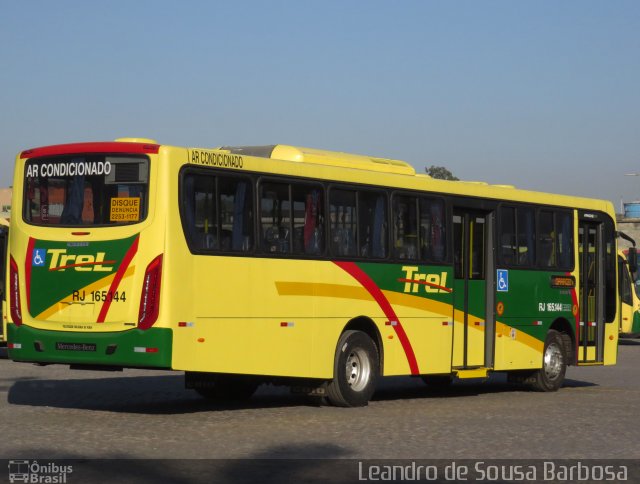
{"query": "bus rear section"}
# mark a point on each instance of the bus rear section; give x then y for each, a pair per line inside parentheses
(85, 258)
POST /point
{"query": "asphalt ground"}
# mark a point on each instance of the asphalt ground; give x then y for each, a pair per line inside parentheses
(53, 412)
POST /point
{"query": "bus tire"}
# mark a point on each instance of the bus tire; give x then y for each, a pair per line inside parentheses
(356, 368)
(549, 378)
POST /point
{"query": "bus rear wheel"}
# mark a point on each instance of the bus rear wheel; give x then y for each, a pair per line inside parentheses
(356, 368)
(549, 378)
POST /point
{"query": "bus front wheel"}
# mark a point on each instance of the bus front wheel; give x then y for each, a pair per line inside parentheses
(356, 368)
(549, 378)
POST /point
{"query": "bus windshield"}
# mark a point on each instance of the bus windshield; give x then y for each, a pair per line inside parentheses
(86, 190)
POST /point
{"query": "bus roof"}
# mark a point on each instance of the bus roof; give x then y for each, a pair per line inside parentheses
(323, 157)
(370, 168)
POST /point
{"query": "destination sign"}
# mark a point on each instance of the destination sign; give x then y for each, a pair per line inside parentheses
(68, 168)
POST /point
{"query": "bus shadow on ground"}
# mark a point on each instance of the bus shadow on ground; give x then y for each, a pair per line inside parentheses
(629, 342)
(166, 394)
(145, 395)
(399, 388)
(299, 462)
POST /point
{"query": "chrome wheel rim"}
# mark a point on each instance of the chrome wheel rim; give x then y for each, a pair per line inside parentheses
(553, 361)
(358, 369)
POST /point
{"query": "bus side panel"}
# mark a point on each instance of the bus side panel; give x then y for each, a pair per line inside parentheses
(610, 344)
(524, 313)
(284, 317)
(418, 324)
(262, 316)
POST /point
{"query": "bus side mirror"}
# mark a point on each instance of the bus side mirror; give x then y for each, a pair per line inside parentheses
(632, 260)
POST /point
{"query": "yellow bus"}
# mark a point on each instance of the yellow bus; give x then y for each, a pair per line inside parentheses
(322, 270)
(629, 299)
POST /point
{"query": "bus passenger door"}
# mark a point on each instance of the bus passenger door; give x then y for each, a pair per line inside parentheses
(473, 275)
(591, 297)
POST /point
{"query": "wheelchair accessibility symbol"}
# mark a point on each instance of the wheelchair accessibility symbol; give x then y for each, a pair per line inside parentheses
(39, 256)
(503, 280)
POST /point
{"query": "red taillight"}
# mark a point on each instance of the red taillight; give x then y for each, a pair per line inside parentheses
(150, 298)
(14, 293)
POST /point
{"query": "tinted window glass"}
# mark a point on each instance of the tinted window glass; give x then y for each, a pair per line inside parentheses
(372, 228)
(555, 240)
(405, 228)
(275, 218)
(508, 250)
(342, 207)
(546, 239)
(517, 237)
(85, 191)
(292, 218)
(564, 227)
(308, 220)
(433, 240)
(525, 227)
(418, 228)
(217, 212)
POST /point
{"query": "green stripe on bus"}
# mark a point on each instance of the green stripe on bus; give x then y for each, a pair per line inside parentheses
(132, 348)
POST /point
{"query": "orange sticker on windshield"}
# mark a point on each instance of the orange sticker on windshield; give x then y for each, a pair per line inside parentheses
(125, 209)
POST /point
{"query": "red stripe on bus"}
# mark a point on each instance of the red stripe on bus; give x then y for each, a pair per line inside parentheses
(118, 277)
(359, 275)
(27, 270)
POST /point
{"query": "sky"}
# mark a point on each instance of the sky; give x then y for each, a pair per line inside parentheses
(543, 95)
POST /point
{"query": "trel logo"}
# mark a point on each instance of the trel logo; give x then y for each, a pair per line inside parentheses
(61, 260)
(431, 282)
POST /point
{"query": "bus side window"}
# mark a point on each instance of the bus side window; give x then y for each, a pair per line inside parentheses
(343, 222)
(217, 212)
(517, 236)
(433, 237)
(372, 228)
(546, 239)
(526, 236)
(275, 218)
(405, 228)
(236, 214)
(199, 197)
(564, 231)
(308, 219)
(508, 248)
